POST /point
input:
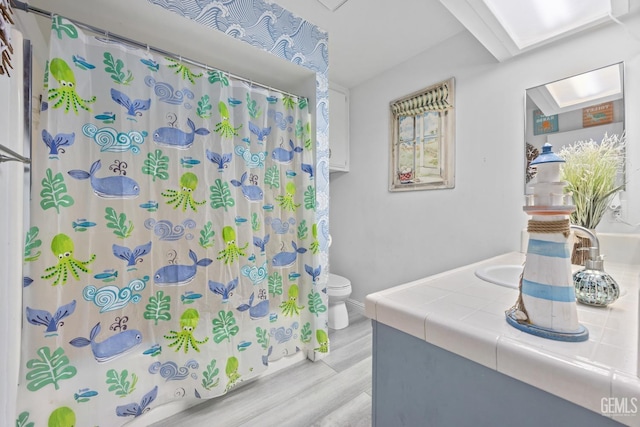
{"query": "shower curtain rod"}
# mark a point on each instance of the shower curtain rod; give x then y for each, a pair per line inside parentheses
(25, 7)
(15, 157)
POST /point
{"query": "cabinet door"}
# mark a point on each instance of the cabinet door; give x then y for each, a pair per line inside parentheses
(338, 130)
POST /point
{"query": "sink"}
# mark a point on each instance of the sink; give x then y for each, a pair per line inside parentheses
(504, 275)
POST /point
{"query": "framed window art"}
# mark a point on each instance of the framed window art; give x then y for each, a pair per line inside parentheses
(423, 139)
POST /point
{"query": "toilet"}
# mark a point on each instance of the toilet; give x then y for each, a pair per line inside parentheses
(338, 291)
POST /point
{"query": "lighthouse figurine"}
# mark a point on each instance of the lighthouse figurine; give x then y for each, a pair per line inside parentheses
(546, 305)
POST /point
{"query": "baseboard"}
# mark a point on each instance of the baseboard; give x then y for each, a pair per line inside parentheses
(355, 306)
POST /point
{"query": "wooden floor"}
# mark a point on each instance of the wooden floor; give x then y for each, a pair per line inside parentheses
(335, 391)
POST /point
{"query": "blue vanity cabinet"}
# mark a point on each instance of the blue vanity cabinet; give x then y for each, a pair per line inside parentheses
(417, 384)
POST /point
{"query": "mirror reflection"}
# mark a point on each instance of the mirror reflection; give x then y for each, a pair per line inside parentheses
(578, 108)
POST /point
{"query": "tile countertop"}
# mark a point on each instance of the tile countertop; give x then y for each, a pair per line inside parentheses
(462, 313)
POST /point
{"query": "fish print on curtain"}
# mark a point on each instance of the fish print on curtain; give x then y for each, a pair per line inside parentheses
(172, 249)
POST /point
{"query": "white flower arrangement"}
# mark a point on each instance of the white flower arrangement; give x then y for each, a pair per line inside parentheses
(592, 173)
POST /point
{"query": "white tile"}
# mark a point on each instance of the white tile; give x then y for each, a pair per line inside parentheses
(624, 310)
(418, 296)
(595, 331)
(488, 290)
(618, 338)
(625, 403)
(499, 305)
(449, 309)
(465, 300)
(492, 322)
(624, 359)
(371, 299)
(425, 281)
(624, 319)
(401, 316)
(581, 351)
(452, 284)
(579, 382)
(463, 314)
(370, 303)
(474, 343)
(592, 315)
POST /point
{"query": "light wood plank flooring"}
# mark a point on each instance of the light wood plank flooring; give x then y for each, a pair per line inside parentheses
(334, 392)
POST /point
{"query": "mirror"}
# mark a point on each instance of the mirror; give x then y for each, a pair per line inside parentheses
(578, 108)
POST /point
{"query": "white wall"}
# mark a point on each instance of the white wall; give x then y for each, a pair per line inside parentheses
(11, 232)
(382, 239)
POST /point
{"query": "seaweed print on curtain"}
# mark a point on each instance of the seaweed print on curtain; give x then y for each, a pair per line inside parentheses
(172, 250)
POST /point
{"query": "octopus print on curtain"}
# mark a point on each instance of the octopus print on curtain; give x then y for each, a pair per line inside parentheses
(172, 250)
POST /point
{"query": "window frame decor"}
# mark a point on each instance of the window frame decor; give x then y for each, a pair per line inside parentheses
(423, 133)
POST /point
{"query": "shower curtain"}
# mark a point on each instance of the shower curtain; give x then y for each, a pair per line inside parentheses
(172, 250)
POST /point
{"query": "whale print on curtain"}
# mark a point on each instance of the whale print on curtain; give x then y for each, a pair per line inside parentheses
(172, 250)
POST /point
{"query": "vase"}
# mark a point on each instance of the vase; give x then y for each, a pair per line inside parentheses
(580, 251)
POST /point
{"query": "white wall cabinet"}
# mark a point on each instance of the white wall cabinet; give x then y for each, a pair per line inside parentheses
(338, 129)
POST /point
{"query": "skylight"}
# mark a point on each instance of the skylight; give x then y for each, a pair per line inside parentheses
(596, 84)
(586, 89)
(531, 22)
(509, 27)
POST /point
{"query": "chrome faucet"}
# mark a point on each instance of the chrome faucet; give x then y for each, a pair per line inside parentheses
(595, 260)
(592, 284)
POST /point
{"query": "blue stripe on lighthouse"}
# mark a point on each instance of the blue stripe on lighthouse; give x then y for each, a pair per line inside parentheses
(546, 248)
(549, 292)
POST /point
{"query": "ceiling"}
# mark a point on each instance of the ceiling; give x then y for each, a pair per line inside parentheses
(367, 37)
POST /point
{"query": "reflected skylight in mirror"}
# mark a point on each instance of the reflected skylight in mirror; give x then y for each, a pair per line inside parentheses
(533, 21)
(585, 87)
